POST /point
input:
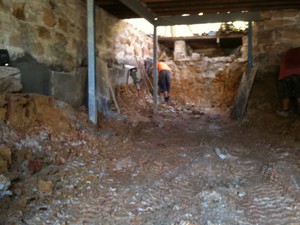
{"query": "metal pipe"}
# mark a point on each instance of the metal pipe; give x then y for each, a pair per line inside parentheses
(155, 74)
(91, 60)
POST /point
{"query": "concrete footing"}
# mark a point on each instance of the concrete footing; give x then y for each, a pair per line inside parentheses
(69, 87)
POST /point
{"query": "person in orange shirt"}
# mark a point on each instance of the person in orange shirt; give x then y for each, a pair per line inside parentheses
(164, 79)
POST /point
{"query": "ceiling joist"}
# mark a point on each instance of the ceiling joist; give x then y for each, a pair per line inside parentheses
(208, 18)
(140, 9)
(169, 12)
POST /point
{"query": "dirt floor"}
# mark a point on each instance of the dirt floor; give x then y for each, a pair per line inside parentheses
(186, 165)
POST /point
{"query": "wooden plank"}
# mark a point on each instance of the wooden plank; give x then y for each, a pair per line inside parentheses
(208, 18)
(144, 75)
(242, 96)
(112, 92)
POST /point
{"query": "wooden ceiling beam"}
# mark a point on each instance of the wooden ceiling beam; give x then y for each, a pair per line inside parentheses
(180, 11)
(188, 4)
(185, 3)
(140, 9)
(107, 2)
(207, 18)
(174, 2)
(198, 37)
(149, 9)
(160, 1)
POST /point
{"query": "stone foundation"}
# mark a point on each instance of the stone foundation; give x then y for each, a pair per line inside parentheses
(45, 36)
(276, 33)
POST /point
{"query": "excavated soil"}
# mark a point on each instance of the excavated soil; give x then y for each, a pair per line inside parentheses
(186, 165)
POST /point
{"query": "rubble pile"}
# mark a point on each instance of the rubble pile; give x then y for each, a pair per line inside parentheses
(186, 165)
(39, 137)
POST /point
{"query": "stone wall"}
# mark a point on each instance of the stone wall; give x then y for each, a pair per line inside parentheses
(213, 82)
(276, 33)
(53, 33)
(131, 43)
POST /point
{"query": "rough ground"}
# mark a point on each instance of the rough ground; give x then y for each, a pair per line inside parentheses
(185, 166)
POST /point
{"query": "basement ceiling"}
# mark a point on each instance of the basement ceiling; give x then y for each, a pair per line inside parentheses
(169, 10)
(204, 42)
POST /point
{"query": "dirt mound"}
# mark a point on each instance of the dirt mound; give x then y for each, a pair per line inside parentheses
(26, 111)
(40, 138)
(56, 167)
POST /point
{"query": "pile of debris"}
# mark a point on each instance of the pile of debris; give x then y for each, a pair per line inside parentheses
(38, 136)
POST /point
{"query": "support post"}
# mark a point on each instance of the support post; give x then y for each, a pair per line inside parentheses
(155, 74)
(91, 60)
(250, 60)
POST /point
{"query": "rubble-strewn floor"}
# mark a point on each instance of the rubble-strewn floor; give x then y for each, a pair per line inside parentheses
(185, 166)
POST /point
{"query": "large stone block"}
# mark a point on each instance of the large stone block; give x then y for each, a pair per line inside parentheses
(271, 24)
(179, 50)
(291, 13)
(43, 33)
(49, 19)
(35, 77)
(69, 87)
(291, 34)
(10, 79)
(40, 79)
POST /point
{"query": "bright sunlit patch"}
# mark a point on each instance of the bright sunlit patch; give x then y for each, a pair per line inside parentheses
(240, 25)
(182, 30)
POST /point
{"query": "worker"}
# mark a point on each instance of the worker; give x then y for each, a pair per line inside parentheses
(289, 80)
(164, 79)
